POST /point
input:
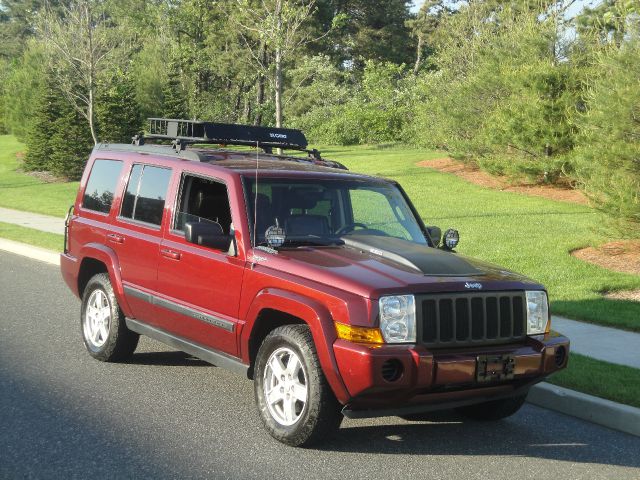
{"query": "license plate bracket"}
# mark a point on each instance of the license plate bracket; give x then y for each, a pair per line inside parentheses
(491, 368)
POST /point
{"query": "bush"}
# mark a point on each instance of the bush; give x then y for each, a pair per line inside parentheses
(608, 159)
(500, 97)
(375, 112)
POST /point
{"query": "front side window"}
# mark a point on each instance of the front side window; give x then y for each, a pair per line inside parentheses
(146, 193)
(98, 194)
(202, 200)
(325, 211)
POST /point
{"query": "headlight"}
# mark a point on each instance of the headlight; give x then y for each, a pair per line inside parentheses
(398, 318)
(537, 312)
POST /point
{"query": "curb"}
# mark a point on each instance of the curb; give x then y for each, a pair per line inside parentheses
(36, 253)
(610, 414)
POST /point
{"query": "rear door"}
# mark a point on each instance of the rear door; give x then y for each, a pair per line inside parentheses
(199, 287)
(135, 235)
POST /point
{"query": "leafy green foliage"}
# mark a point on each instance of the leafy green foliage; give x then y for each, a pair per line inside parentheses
(118, 113)
(608, 158)
(59, 140)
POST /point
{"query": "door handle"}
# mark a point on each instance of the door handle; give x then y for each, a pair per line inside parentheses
(115, 238)
(170, 254)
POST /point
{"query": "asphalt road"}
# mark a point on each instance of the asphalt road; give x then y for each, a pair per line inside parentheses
(166, 415)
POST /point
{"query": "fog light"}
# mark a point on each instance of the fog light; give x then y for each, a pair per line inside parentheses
(392, 370)
(560, 356)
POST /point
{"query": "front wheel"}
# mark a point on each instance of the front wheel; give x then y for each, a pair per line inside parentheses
(493, 410)
(294, 400)
(102, 323)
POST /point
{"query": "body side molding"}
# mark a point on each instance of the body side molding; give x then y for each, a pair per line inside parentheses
(181, 309)
(208, 355)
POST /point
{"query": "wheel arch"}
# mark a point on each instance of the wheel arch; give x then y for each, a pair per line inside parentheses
(96, 259)
(273, 308)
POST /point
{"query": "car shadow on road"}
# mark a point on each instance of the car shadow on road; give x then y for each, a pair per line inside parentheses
(167, 359)
(568, 439)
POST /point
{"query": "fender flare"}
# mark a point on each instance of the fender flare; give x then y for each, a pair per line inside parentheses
(107, 256)
(315, 315)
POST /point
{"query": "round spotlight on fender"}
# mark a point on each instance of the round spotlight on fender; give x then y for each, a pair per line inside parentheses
(451, 239)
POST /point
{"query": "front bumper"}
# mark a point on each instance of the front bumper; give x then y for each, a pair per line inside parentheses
(442, 379)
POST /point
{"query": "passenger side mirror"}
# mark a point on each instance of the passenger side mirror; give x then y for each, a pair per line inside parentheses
(207, 234)
(435, 234)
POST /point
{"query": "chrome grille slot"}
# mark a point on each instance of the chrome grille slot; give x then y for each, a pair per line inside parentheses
(466, 319)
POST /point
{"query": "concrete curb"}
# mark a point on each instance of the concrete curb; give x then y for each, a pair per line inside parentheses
(30, 251)
(586, 407)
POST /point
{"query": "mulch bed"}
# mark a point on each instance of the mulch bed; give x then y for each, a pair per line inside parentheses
(474, 175)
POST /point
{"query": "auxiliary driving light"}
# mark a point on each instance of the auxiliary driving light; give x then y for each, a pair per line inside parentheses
(451, 238)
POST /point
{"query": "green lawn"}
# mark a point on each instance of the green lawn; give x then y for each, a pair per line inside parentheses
(17, 233)
(530, 235)
(527, 234)
(24, 192)
(602, 379)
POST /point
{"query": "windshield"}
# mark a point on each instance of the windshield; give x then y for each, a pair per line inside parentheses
(324, 211)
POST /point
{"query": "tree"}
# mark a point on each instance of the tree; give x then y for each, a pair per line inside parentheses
(608, 158)
(84, 42)
(117, 112)
(277, 26)
(424, 26)
(58, 140)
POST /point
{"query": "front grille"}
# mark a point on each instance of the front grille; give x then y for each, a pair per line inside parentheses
(466, 319)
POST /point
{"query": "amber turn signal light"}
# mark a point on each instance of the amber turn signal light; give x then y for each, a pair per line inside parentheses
(358, 334)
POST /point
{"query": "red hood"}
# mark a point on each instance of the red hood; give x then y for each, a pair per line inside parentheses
(371, 274)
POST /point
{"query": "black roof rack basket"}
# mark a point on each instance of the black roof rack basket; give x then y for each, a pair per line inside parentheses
(184, 132)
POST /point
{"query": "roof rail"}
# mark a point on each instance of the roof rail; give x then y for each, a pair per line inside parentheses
(185, 132)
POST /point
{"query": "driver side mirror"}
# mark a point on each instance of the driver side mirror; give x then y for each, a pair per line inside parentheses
(207, 234)
(435, 235)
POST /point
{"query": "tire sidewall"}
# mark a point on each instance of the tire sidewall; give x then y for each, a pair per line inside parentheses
(101, 282)
(306, 423)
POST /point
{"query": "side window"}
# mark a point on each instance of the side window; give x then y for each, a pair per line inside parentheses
(98, 195)
(202, 200)
(145, 195)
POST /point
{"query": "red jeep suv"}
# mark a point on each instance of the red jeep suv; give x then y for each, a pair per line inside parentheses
(321, 285)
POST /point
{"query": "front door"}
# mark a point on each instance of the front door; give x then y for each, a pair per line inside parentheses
(199, 287)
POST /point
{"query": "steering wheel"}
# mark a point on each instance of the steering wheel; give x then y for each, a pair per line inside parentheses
(350, 227)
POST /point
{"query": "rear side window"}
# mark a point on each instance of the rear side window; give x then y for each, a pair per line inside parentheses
(98, 195)
(146, 192)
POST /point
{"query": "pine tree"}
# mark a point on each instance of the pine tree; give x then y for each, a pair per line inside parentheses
(175, 98)
(118, 112)
(48, 107)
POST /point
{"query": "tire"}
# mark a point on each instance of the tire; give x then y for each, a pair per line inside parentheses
(493, 410)
(301, 408)
(102, 323)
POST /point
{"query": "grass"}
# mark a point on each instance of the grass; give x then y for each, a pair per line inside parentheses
(25, 192)
(530, 235)
(51, 241)
(602, 379)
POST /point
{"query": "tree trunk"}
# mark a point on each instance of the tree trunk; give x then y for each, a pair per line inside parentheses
(416, 67)
(278, 62)
(278, 65)
(260, 89)
(91, 79)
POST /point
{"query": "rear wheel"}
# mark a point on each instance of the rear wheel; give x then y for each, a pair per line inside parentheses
(102, 323)
(493, 410)
(294, 400)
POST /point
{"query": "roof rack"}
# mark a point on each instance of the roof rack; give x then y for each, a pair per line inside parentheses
(185, 132)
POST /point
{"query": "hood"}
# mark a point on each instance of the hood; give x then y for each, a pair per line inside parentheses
(373, 265)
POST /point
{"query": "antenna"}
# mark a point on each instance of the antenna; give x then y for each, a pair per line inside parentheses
(255, 196)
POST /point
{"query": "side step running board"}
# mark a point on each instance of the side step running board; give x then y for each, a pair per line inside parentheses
(208, 355)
